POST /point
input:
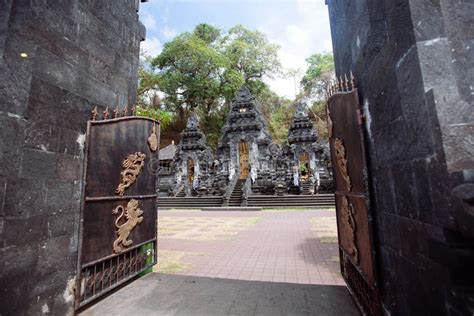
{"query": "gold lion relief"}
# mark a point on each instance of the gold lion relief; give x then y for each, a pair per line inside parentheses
(133, 216)
(348, 214)
(132, 166)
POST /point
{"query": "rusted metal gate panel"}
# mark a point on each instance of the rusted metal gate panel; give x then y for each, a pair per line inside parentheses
(118, 224)
(354, 220)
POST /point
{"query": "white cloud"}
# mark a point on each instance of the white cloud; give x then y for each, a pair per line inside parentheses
(168, 32)
(149, 21)
(307, 35)
(151, 46)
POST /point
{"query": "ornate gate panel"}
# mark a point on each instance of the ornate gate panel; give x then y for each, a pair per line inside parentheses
(354, 220)
(118, 220)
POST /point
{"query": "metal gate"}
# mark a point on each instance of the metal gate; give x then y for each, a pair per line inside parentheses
(354, 220)
(118, 213)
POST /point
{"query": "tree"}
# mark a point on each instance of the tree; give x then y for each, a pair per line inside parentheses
(318, 75)
(201, 70)
(250, 53)
(315, 82)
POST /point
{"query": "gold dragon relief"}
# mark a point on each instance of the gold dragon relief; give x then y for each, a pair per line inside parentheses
(132, 215)
(341, 159)
(132, 166)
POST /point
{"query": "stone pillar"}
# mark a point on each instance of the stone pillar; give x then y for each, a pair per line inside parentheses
(57, 60)
(413, 61)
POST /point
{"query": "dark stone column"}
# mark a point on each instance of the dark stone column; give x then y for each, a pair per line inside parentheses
(413, 62)
(58, 59)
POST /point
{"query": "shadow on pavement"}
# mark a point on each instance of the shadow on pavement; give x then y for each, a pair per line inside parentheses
(166, 294)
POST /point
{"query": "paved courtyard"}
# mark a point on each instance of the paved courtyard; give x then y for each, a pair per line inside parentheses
(165, 294)
(294, 246)
(280, 262)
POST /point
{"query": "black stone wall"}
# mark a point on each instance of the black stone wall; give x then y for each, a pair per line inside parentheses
(413, 62)
(80, 53)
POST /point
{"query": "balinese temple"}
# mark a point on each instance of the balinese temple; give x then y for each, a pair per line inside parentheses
(311, 156)
(247, 162)
(192, 161)
(243, 147)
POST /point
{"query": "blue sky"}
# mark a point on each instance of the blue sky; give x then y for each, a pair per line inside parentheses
(300, 27)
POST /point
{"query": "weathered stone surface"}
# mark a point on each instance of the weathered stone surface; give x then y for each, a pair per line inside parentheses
(79, 54)
(24, 197)
(38, 164)
(414, 76)
(19, 231)
(12, 131)
(68, 167)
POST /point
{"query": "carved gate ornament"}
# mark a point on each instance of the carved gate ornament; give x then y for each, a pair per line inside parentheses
(329, 122)
(342, 161)
(153, 139)
(133, 216)
(348, 212)
(132, 165)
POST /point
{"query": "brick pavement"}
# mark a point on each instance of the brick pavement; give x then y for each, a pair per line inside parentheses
(279, 246)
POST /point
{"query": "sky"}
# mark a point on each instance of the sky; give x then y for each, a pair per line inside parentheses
(300, 27)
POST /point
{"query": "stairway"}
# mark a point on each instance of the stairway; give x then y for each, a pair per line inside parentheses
(290, 201)
(305, 187)
(189, 202)
(181, 193)
(236, 196)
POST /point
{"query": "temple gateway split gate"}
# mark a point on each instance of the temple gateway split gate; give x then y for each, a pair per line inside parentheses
(354, 221)
(118, 218)
(118, 232)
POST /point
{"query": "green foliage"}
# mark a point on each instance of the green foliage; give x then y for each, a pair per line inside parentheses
(164, 117)
(319, 116)
(201, 70)
(250, 53)
(320, 71)
(207, 33)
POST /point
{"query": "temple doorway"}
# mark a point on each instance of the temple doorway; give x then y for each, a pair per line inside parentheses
(244, 160)
(304, 166)
(190, 170)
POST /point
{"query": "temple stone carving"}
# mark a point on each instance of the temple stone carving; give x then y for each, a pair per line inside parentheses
(192, 162)
(310, 157)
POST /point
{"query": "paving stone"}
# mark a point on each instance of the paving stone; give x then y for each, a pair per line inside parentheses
(161, 294)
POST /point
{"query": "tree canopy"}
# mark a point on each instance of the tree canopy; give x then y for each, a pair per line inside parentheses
(318, 74)
(201, 71)
(315, 82)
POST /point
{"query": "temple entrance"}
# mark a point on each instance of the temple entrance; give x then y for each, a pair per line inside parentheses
(244, 160)
(190, 170)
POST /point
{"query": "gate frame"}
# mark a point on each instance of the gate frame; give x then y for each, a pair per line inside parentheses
(345, 86)
(78, 305)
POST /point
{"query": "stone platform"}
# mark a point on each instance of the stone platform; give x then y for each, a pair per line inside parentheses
(232, 209)
(318, 201)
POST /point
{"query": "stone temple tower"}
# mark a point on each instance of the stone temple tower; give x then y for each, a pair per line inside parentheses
(192, 160)
(245, 138)
(308, 153)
